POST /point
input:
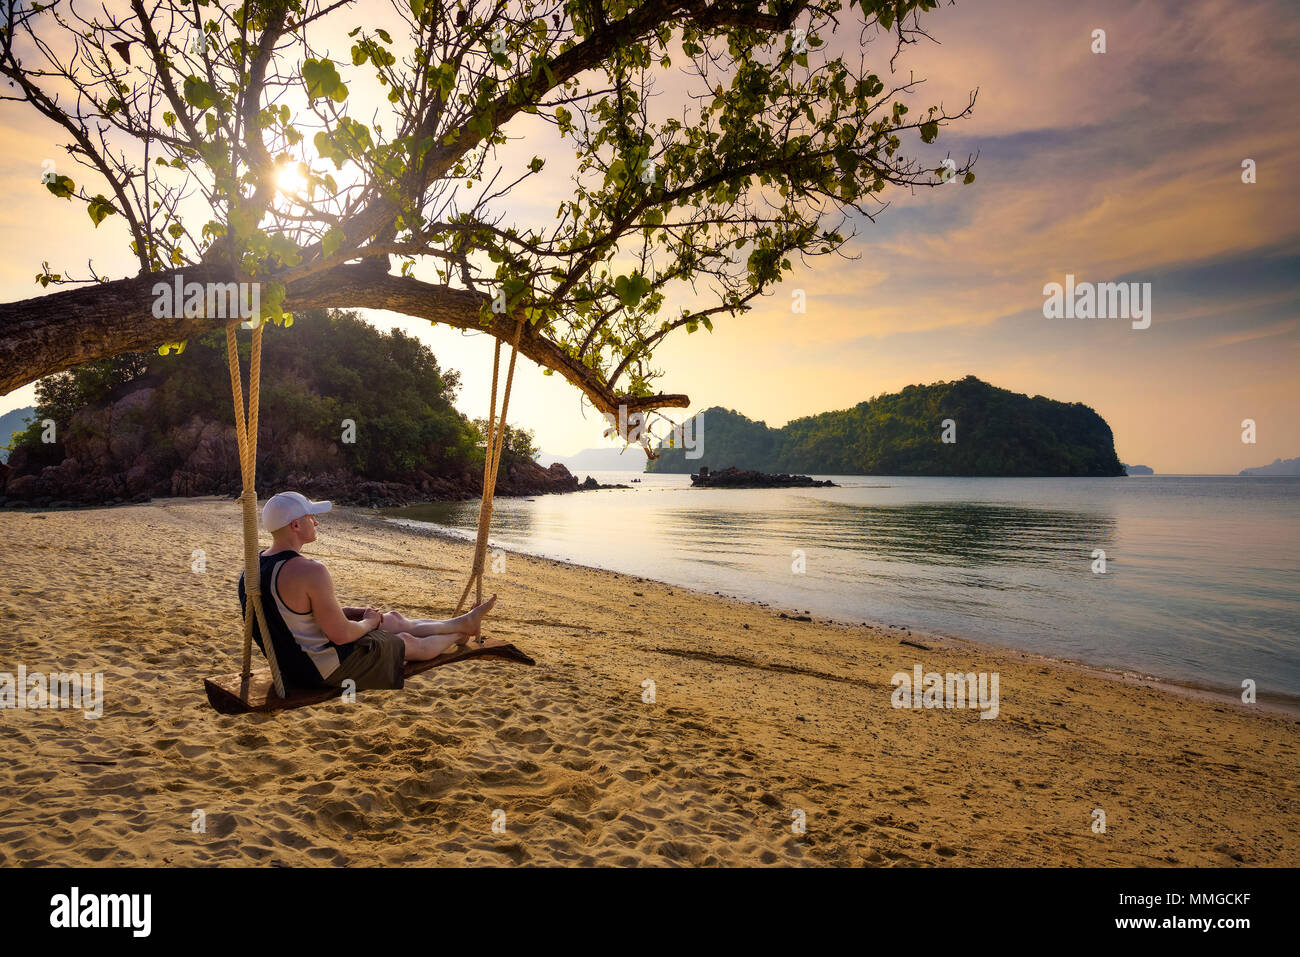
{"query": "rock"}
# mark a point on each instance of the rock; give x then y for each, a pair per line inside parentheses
(23, 487)
(529, 478)
(591, 483)
(732, 477)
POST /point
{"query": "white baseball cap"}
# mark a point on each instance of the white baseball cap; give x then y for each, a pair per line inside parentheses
(283, 508)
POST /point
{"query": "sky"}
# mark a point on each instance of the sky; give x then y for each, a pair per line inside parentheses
(1122, 166)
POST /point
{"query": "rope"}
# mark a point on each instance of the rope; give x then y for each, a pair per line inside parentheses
(491, 465)
(246, 438)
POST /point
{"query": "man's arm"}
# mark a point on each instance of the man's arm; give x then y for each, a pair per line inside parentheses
(329, 614)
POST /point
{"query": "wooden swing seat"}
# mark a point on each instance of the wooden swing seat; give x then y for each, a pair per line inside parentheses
(228, 694)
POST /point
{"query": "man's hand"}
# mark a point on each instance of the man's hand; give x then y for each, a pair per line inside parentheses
(373, 618)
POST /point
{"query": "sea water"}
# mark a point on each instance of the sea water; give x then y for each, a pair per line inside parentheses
(1189, 578)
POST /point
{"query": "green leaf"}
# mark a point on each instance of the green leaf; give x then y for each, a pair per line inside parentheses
(272, 301)
(61, 186)
(969, 178)
(242, 223)
(847, 161)
(929, 131)
(417, 9)
(200, 94)
(99, 208)
(322, 79)
(332, 241)
(513, 288)
(631, 289)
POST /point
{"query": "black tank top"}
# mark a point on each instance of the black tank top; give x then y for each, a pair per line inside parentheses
(296, 665)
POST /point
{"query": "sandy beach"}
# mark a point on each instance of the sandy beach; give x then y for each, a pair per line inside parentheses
(758, 722)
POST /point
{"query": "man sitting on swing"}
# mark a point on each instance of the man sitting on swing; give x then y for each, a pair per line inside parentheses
(324, 644)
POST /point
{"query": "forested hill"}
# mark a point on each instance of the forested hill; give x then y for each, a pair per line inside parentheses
(347, 413)
(996, 432)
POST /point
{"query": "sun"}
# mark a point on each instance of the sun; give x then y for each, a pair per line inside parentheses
(290, 179)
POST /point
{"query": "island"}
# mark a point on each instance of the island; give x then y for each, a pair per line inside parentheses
(964, 427)
(1279, 467)
(732, 477)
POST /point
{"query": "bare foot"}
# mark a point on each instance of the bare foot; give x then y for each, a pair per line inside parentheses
(475, 616)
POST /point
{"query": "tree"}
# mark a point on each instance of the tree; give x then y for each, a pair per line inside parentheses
(223, 144)
(58, 396)
(518, 445)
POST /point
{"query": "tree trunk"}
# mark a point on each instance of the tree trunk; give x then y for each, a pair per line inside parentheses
(48, 334)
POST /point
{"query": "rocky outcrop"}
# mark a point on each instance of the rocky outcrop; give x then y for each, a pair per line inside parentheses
(732, 477)
(590, 483)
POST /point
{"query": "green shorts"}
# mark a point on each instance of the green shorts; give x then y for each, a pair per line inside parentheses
(377, 661)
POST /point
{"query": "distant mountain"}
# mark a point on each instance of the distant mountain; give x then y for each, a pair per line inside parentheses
(1279, 467)
(1137, 469)
(996, 432)
(11, 422)
(629, 460)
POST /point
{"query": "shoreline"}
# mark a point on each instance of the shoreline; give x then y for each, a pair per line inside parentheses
(660, 726)
(1275, 702)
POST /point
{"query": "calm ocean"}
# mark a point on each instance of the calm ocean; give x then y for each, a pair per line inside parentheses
(1200, 581)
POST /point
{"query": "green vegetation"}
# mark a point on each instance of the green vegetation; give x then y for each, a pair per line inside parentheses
(998, 432)
(324, 369)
